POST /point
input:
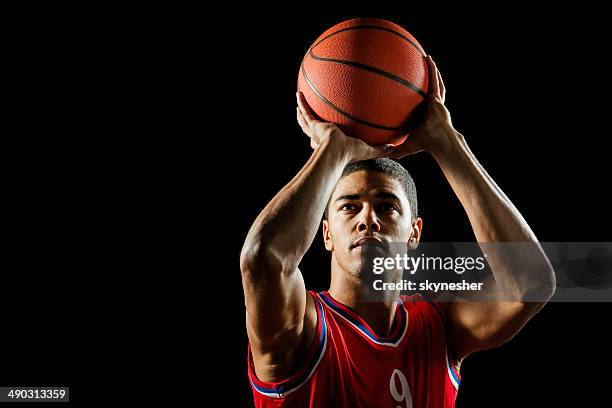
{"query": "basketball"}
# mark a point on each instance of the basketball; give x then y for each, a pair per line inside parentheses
(367, 76)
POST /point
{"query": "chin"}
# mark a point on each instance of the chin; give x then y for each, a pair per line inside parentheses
(352, 265)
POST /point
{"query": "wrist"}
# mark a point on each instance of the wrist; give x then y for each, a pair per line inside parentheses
(446, 143)
(338, 152)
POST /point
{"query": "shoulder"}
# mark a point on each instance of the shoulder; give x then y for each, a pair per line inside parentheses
(290, 369)
(279, 362)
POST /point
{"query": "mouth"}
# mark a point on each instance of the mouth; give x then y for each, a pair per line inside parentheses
(367, 241)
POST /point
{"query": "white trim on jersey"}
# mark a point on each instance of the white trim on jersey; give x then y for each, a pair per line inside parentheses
(450, 370)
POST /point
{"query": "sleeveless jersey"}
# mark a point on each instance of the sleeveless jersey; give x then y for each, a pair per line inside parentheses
(349, 366)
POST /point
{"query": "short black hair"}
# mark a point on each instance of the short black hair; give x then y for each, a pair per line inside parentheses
(389, 167)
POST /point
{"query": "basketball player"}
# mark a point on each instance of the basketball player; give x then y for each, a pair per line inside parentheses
(330, 349)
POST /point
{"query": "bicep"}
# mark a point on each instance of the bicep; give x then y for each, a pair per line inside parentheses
(281, 323)
(275, 308)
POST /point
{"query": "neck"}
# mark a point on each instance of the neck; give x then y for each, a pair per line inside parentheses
(347, 289)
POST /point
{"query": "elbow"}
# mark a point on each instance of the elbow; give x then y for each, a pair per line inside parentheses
(251, 256)
(552, 285)
(548, 281)
(548, 284)
(542, 289)
(257, 258)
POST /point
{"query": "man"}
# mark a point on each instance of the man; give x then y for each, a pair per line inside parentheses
(332, 349)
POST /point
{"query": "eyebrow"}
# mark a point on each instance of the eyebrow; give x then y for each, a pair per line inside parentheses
(347, 197)
(380, 194)
(385, 194)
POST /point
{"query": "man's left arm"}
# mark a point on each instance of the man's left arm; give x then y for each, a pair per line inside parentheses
(479, 325)
(521, 272)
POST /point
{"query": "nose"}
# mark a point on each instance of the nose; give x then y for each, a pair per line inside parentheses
(368, 222)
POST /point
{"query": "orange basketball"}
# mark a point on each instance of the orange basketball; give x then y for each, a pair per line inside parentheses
(366, 75)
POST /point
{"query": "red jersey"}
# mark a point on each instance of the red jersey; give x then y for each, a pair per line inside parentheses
(349, 366)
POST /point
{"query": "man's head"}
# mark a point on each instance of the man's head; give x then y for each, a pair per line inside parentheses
(375, 200)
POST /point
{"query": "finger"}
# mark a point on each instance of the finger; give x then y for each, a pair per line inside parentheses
(434, 88)
(410, 146)
(441, 87)
(390, 150)
(303, 105)
(302, 122)
(403, 152)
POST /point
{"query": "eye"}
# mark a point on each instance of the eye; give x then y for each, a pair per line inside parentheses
(348, 207)
(389, 207)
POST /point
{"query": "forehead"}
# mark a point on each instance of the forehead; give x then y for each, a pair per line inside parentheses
(363, 182)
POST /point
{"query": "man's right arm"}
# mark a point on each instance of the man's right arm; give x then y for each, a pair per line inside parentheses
(281, 319)
(274, 289)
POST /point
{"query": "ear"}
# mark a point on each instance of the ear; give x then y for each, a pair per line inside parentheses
(327, 236)
(415, 232)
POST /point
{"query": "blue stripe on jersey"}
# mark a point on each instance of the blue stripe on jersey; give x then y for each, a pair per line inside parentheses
(451, 369)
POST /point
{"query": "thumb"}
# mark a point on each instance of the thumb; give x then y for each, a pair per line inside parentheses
(385, 150)
(390, 149)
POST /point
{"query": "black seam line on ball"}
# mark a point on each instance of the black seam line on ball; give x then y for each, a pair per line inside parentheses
(340, 111)
(389, 75)
(375, 28)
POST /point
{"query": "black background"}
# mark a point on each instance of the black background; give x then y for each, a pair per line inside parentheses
(148, 139)
(525, 89)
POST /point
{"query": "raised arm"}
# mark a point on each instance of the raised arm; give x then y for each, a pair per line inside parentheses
(280, 316)
(478, 325)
